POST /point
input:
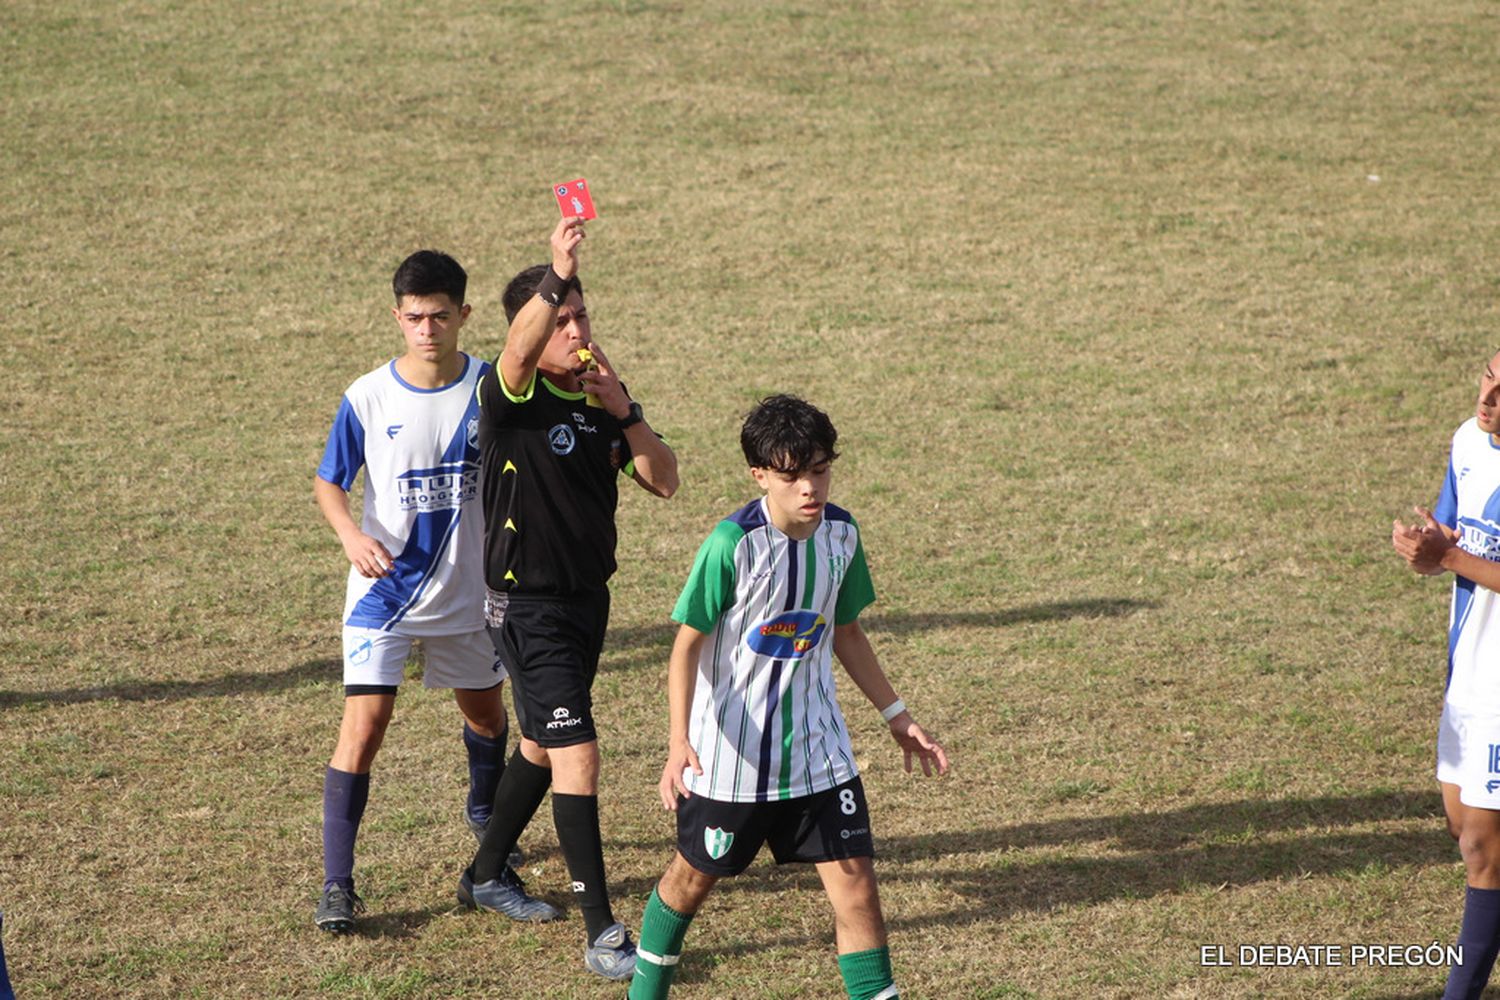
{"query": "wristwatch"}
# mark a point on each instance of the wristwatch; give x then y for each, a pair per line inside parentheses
(633, 417)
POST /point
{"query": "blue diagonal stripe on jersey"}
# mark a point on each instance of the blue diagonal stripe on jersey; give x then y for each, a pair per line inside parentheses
(1463, 601)
(773, 686)
(394, 595)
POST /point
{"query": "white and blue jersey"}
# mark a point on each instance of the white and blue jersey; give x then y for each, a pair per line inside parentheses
(420, 452)
(1470, 504)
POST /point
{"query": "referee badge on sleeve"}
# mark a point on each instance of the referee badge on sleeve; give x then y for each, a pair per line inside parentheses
(716, 842)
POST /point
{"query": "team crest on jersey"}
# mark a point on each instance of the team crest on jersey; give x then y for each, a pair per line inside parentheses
(562, 439)
(473, 432)
(787, 636)
(716, 842)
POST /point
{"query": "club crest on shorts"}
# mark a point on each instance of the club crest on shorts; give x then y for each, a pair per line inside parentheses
(716, 842)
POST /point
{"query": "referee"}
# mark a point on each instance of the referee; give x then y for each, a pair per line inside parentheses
(556, 430)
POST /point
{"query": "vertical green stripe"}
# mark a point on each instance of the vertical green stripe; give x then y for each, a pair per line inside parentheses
(810, 567)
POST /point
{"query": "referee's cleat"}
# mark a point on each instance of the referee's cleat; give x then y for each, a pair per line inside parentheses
(478, 827)
(507, 895)
(612, 955)
(336, 909)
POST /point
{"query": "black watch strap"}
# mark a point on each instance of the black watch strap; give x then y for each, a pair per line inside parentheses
(632, 418)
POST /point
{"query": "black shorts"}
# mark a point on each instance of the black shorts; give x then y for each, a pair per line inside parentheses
(722, 838)
(551, 647)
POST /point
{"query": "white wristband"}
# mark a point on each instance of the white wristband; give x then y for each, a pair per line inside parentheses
(892, 710)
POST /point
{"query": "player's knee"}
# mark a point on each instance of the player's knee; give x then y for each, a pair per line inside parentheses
(357, 747)
(1481, 852)
(490, 725)
(575, 769)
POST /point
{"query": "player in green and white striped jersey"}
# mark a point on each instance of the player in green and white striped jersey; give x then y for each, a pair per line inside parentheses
(759, 749)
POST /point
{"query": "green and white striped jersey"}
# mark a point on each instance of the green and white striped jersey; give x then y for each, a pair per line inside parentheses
(765, 721)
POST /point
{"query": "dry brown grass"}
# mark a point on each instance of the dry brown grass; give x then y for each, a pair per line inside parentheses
(1133, 362)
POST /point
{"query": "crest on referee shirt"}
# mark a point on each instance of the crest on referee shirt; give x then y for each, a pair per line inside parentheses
(716, 842)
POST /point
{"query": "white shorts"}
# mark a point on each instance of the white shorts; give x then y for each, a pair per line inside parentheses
(1468, 755)
(375, 658)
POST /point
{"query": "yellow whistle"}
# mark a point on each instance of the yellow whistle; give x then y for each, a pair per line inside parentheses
(587, 357)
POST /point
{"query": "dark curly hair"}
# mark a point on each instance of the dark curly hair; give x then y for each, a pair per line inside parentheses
(788, 435)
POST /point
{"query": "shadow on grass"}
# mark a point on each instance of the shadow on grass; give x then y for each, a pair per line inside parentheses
(403, 924)
(649, 644)
(1034, 868)
(209, 687)
(656, 640)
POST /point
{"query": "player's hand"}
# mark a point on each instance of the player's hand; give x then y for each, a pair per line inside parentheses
(605, 384)
(565, 239)
(680, 757)
(368, 555)
(916, 743)
(1423, 545)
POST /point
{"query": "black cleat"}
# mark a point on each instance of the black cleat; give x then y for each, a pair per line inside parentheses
(506, 895)
(337, 908)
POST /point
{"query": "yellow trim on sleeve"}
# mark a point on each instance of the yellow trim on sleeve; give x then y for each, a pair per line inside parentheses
(525, 396)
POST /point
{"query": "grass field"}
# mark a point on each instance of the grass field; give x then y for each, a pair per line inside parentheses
(1140, 321)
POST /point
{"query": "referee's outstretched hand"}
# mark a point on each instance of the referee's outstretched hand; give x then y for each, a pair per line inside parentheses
(565, 239)
(916, 743)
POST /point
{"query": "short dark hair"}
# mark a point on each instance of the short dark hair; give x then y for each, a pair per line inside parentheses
(787, 434)
(523, 286)
(430, 272)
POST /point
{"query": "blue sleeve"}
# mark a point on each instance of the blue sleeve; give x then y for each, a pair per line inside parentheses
(345, 454)
(1445, 511)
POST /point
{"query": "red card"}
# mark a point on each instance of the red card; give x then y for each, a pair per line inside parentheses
(574, 200)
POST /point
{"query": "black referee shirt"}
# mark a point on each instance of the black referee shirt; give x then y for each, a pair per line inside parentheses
(549, 464)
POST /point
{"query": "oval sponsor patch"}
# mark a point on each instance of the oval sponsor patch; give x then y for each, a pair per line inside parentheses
(788, 636)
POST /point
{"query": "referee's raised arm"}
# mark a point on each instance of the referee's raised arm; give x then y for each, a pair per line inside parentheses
(533, 325)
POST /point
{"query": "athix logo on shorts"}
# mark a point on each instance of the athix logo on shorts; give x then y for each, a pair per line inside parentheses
(442, 488)
(561, 719)
(716, 842)
(561, 439)
(787, 636)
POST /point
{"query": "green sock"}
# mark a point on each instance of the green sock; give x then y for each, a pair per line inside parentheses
(662, 931)
(867, 975)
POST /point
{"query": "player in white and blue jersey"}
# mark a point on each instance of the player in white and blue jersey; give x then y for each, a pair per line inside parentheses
(759, 751)
(416, 559)
(1462, 536)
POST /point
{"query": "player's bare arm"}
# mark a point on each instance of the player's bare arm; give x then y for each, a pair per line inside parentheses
(682, 678)
(655, 463)
(365, 553)
(853, 649)
(533, 325)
